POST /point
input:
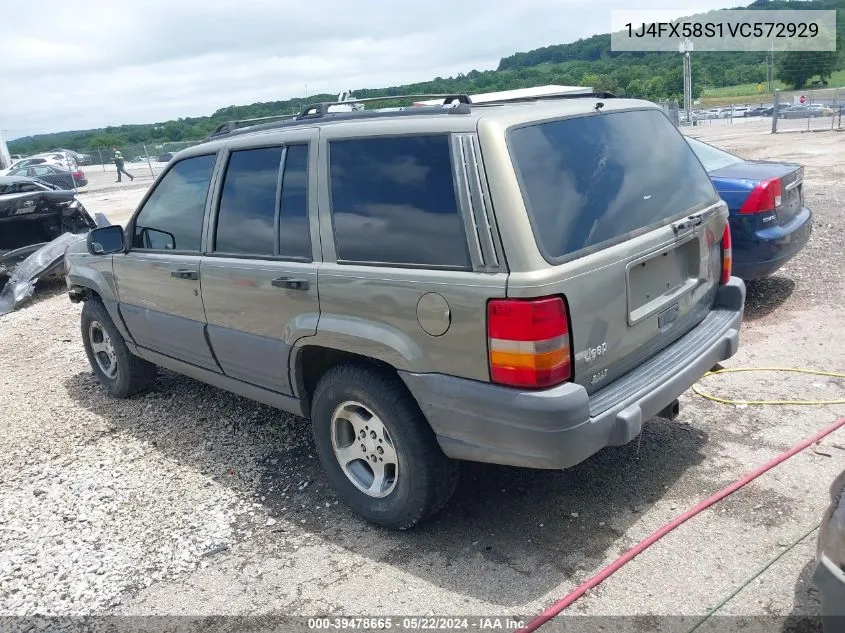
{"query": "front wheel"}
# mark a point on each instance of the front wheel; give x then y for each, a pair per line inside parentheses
(377, 448)
(118, 370)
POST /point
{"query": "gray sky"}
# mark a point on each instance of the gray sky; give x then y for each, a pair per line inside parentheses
(79, 64)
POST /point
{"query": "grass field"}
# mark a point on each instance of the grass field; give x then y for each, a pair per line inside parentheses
(747, 93)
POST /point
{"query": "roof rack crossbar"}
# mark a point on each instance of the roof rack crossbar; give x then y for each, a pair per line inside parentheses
(229, 126)
(320, 109)
(574, 95)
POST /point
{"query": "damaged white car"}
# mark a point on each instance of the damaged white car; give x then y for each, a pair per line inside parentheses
(37, 223)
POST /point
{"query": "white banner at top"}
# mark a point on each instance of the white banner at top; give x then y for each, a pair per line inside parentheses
(723, 30)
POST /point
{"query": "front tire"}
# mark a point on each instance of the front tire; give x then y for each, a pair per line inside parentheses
(377, 448)
(121, 372)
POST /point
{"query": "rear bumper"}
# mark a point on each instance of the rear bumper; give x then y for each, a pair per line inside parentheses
(830, 582)
(769, 249)
(553, 428)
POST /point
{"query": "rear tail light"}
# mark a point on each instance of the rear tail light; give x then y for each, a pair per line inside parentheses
(727, 255)
(529, 342)
(765, 197)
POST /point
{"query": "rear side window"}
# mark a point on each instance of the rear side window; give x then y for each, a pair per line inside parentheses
(294, 233)
(595, 180)
(248, 202)
(393, 202)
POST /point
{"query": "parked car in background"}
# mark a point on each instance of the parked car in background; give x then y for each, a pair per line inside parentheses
(68, 159)
(769, 222)
(143, 159)
(798, 112)
(166, 157)
(821, 110)
(415, 308)
(53, 174)
(829, 576)
(80, 159)
(758, 111)
(33, 160)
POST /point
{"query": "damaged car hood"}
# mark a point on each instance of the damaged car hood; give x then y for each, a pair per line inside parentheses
(34, 204)
(31, 219)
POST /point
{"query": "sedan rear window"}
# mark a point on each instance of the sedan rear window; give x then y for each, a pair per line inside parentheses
(595, 180)
(712, 157)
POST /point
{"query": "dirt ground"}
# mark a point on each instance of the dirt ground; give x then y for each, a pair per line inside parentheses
(195, 501)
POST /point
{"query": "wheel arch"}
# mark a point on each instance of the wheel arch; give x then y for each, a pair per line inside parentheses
(309, 362)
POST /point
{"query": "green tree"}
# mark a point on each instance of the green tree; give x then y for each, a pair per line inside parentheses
(796, 68)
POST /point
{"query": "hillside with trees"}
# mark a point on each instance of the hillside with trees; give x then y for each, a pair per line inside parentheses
(586, 62)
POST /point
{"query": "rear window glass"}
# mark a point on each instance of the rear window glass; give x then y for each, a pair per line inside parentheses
(248, 202)
(393, 201)
(599, 179)
(712, 157)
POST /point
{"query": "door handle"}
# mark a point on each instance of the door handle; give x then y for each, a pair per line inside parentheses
(185, 274)
(290, 283)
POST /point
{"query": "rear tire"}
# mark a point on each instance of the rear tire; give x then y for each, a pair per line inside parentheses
(377, 448)
(121, 372)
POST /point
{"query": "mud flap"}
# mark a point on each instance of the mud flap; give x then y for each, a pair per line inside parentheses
(42, 262)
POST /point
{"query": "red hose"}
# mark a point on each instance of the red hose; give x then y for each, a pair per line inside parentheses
(632, 553)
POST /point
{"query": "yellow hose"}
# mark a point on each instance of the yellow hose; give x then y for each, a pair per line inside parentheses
(813, 372)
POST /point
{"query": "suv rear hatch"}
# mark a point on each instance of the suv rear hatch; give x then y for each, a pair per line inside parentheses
(631, 227)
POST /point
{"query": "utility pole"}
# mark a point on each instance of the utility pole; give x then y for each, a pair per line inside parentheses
(685, 47)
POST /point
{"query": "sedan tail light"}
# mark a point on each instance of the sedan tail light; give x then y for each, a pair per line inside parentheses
(764, 198)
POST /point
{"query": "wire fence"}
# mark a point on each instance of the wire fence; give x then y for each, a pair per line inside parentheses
(153, 156)
(792, 111)
(815, 110)
(672, 110)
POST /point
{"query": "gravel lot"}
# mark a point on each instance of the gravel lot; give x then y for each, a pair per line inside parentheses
(189, 500)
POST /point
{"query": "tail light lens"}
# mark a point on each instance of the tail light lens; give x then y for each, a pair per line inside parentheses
(528, 342)
(727, 255)
(765, 197)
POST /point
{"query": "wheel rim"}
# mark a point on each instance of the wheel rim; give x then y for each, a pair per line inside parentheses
(103, 349)
(364, 449)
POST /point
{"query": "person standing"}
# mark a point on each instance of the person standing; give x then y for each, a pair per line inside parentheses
(117, 157)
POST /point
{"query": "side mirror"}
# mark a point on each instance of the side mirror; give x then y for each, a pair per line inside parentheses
(105, 240)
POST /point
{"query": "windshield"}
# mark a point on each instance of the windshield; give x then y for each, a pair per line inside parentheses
(602, 178)
(711, 157)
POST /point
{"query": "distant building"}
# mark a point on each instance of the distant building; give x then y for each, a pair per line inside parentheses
(5, 159)
(519, 93)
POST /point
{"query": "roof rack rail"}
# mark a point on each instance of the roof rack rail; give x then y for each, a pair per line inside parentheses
(230, 126)
(321, 109)
(574, 95)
